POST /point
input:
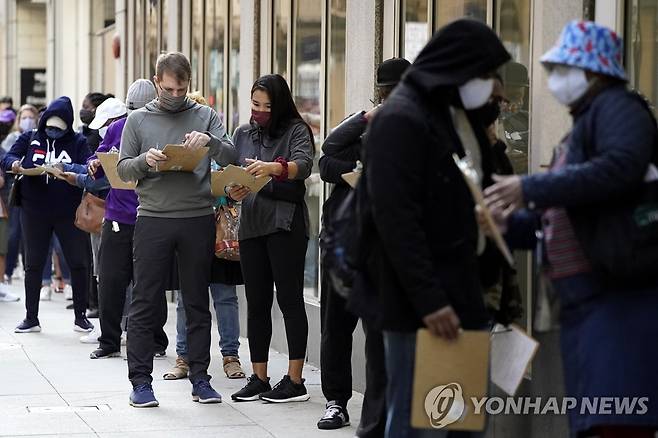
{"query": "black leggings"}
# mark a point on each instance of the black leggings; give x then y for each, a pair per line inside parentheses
(276, 259)
(38, 229)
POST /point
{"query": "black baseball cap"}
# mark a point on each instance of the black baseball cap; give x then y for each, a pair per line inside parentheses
(390, 71)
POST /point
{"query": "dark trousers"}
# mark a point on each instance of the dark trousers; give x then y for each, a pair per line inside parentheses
(14, 240)
(276, 259)
(337, 327)
(37, 233)
(156, 242)
(116, 274)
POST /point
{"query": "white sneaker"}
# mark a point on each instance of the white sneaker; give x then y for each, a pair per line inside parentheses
(46, 292)
(6, 296)
(68, 292)
(92, 337)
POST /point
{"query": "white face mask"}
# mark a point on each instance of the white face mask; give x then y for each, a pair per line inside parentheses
(102, 131)
(476, 92)
(567, 84)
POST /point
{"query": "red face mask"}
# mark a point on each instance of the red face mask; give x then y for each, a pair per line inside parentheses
(261, 117)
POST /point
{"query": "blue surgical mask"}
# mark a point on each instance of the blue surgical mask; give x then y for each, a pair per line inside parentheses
(27, 124)
(54, 133)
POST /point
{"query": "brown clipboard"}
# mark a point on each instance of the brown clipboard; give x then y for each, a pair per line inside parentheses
(478, 197)
(351, 178)
(33, 171)
(447, 375)
(235, 176)
(52, 170)
(109, 162)
(180, 158)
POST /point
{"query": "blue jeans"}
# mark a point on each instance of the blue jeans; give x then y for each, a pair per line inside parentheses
(225, 301)
(400, 350)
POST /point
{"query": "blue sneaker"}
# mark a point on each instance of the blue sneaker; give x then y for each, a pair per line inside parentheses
(202, 392)
(143, 397)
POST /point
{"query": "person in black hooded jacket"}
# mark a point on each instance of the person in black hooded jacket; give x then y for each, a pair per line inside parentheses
(49, 205)
(341, 151)
(423, 260)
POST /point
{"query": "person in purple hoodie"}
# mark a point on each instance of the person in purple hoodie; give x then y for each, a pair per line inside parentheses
(48, 206)
(116, 256)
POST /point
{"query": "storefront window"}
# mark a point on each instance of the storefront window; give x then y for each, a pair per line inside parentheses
(280, 40)
(138, 60)
(164, 13)
(214, 53)
(197, 44)
(416, 27)
(450, 10)
(336, 64)
(513, 27)
(306, 92)
(151, 37)
(234, 67)
(642, 47)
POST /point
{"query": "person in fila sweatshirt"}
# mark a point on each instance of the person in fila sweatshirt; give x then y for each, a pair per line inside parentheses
(49, 206)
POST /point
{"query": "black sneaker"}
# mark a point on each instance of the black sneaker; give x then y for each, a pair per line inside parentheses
(334, 417)
(100, 353)
(83, 325)
(286, 391)
(254, 388)
(92, 313)
(28, 326)
(70, 306)
(160, 354)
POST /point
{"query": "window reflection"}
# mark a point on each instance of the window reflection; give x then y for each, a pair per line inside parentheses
(214, 53)
(234, 63)
(197, 44)
(450, 10)
(151, 37)
(416, 27)
(306, 92)
(138, 59)
(281, 21)
(641, 48)
(164, 13)
(336, 63)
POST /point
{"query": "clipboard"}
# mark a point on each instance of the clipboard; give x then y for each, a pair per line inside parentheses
(512, 350)
(52, 170)
(181, 159)
(478, 197)
(33, 171)
(235, 176)
(351, 178)
(447, 375)
(109, 162)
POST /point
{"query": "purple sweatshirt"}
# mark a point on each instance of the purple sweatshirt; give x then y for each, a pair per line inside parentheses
(120, 205)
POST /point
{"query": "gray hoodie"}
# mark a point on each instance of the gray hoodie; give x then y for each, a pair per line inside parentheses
(172, 194)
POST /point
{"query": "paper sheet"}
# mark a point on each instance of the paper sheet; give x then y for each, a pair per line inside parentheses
(180, 158)
(233, 175)
(351, 178)
(446, 376)
(109, 162)
(512, 351)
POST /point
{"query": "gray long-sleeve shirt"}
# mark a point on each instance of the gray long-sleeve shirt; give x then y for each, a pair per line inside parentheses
(272, 209)
(172, 194)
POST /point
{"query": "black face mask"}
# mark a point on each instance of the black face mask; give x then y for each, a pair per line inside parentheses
(86, 116)
(488, 113)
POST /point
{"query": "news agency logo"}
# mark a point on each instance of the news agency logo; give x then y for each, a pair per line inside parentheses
(444, 405)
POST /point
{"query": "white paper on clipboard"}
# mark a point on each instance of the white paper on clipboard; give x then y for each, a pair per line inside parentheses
(467, 172)
(512, 351)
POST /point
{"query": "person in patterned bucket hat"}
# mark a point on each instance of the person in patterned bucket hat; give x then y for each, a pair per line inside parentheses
(605, 318)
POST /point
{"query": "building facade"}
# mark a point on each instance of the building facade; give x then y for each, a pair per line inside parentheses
(328, 51)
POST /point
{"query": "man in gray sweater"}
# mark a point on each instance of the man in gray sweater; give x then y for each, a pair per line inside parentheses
(174, 219)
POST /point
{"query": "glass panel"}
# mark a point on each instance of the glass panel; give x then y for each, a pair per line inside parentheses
(139, 38)
(109, 13)
(151, 37)
(306, 92)
(214, 55)
(416, 27)
(164, 13)
(513, 27)
(642, 47)
(234, 63)
(197, 44)
(281, 20)
(450, 10)
(336, 63)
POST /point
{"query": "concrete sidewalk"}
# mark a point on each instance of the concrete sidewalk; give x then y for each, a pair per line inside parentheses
(50, 388)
